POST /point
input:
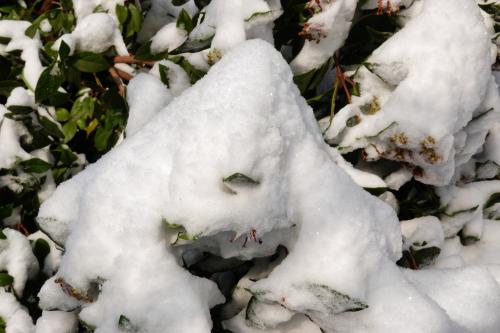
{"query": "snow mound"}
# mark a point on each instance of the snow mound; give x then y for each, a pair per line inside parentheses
(420, 89)
(239, 153)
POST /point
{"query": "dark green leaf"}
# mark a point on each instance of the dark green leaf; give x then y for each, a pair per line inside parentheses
(184, 21)
(5, 279)
(239, 178)
(89, 62)
(64, 50)
(41, 249)
(2, 235)
(493, 199)
(125, 324)
(50, 80)
(51, 128)
(164, 74)
(35, 165)
(179, 2)
(3, 325)
(6, 210)
(6, 87)
(101, 138)
(20, 109)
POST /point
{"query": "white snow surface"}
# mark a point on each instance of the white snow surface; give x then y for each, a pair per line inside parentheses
(57, 322)
(257, 125)
(328, 30)
(29, 49)
(97, 33)
(17, 258)
(168, 38)
(454, 63)
(14, 314)
(146, 96)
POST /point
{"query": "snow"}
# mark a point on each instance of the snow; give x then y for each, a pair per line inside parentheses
(57, 322)
(422, 232)
(15, 316)
(168, 38)
(84, 8)
(161, 13)
(251, 81)
(470, 295)
(53, 258)
(146, 96)
(326, 32)
(97, 33)
(400, 72)
(29, 47)
(10, 148)
(17, 259)
(229, 23)
(178, 80)
(464, 207)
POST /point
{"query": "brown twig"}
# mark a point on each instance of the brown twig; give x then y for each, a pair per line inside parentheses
(342, 78)
(46, 6)
(118, 81)
(130, 59)
(22, 229)
(124, 75)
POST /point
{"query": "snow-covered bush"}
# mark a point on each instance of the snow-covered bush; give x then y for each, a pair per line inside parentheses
(249, 166)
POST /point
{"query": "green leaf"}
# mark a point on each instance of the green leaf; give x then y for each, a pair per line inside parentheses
(3, 325)
(184, 21)
(335, 301)
(5, 279)
(164, 74)
(179, 2)
(50, 80)
(83, 108)
(41, 249)
(51, 128)
(35, 165)
(101, 138)
(353, 121)
(7, 86)
(62, 114)
(6, 210)
(2, 235)
(126, 325)
(121, 13)
(89, 62)
(64, 50)
(32, 29)
(135, 20)
(20, 109)
(69, 131)
(239, 178)
(493, 199)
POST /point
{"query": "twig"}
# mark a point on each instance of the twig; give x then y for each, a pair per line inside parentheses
(130, 59)
(118, 81)
(46, 6)
(124, 75)
(22, 229)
